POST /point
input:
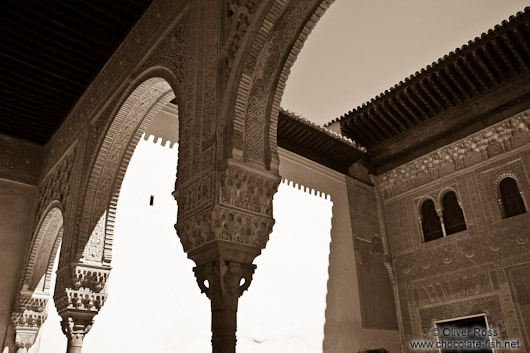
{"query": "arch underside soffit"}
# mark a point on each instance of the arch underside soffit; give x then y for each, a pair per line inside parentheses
(38, 266)
(135, 112)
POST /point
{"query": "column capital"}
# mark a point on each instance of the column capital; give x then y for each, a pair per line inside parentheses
(28, 317)
(224, 281)
(75, 326)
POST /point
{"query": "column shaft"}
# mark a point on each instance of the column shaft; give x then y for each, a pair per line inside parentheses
(224, 326)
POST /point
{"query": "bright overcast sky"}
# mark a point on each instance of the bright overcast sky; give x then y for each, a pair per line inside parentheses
(360, 48)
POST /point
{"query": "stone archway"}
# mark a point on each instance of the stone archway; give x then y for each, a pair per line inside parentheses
(34, 288)
(228, 163)
(263, 78)
(81, 285)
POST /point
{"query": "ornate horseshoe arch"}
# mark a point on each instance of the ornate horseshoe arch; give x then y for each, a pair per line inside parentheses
(145, 98)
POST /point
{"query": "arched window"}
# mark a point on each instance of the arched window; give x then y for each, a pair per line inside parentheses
(430, 222)
(454, 221)
(512, 202)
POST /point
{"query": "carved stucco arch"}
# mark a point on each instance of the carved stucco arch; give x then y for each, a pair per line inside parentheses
(30, 309)
(145, 97)
(264, 74)
(497, 185)
(420, 203)
(39, 261)
(501, 177)
(442, 194)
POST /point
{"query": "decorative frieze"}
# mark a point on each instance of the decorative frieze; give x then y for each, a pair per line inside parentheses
(89, 278)
(196, 194)
(29, 315)
(28, 300)
(496, 139)
(247, 190)
(81, 288)
(221, 223)
(57, 184)
(240, 13)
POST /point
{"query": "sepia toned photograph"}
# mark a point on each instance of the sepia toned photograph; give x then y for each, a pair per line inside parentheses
(264, 176)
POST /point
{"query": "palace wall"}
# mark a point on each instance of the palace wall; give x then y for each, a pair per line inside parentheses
(17, 202)
(347, 329)
(484, 269)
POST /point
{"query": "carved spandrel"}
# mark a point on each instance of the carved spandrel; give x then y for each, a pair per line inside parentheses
(57, 185)
(240, 14)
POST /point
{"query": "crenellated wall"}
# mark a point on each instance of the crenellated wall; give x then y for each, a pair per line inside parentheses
(482, 270)
(360, 312)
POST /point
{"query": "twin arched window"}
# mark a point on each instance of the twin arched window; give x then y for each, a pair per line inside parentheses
(510, 198)
(452, 220)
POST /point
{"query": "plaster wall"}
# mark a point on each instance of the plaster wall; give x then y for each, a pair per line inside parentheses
(484, 270)
(344, 331)
(17, 203)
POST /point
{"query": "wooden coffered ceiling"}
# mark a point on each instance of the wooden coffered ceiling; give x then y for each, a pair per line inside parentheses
(51, 51)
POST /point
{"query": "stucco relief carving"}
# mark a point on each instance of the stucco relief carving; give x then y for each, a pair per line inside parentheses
(248, 191)
(489, 306)
(240, 13)
(28, 316)
(450, 287)
(197, 123)
(82, 288)
(170, 52)
(57, 184)
(220, 223)
(110, 164)
(91, 278)
(264, 75)
(461, 251)
(94, 247)
(31, 310)
(496, 139)
(195, 194)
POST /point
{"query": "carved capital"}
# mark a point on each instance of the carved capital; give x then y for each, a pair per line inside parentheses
(75, 326)
(221, 281)
(25, 337)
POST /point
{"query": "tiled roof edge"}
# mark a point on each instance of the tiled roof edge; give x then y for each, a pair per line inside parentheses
(322, 129)
(472, 43)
